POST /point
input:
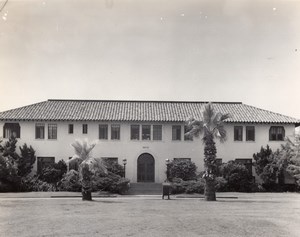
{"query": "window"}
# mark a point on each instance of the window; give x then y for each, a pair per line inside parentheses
(186, 137)
(52, 131)
(182, 159)
(43, 162)
(176, 132)
(157, 132)
(218, 161)
(110, 160)
(103, 131)
(84, 128)
(247, 163)
(250, 133)
(276, 133)
(238, 133)
(11, 129)
(39, 131)
(146, 132)
(115, 132)
(135, 132)
(73, 165)
(71, 129)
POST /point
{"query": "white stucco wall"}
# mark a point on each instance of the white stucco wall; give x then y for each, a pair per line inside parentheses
(131, 150)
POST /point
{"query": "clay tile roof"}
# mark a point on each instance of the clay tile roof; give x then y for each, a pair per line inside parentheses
(160, 111)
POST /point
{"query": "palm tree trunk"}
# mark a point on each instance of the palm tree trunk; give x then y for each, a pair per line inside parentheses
(86, 183)
(210, 152)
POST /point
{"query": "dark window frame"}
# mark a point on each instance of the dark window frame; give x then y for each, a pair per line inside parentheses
(238, 136)
(10, 129)
(115, 132)
(276, 133)
(71, 128)
(186, 137)
(146, 132)
(249, 135)
(41, 162)
(104, 135)
(134, 132)
(38, 134)
(84, 128)
(176, 132)
(52, 131)
(157, 133)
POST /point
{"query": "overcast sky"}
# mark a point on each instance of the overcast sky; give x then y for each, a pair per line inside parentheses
(242, 50)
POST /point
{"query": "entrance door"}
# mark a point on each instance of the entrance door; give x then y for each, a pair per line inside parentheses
(145, 168)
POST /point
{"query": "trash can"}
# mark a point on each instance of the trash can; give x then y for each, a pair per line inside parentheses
(166, 189)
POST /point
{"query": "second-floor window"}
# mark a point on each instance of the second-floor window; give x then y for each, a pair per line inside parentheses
(176, 132)
(115, 132)
(11, 129)
(186, 137)
(84, 128)
(103, 131)
(52, 131)
(276, 133)
(71, 129)
(135, 132)
(157, 132)
(250, 133)
(146, 132)
(39, 131)
(238, 133)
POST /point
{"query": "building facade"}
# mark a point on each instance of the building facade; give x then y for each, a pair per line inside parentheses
(145, 133)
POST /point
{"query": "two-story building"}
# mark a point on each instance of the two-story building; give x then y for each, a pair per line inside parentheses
(146, 133)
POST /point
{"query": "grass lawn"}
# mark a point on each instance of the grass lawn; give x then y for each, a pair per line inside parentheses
(249, 215)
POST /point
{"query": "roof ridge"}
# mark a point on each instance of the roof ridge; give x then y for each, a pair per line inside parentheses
(146, 101)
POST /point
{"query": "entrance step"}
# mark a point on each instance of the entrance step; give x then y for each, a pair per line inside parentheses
(145, 189)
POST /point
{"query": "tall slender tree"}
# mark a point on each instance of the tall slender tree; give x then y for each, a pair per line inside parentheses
(87, 166)
(211, 126)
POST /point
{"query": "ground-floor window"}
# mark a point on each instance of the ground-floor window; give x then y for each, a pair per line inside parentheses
(43, 162)
(11, 129)
(182, 159)
(110, 160)
(247, 163)
(73, 165)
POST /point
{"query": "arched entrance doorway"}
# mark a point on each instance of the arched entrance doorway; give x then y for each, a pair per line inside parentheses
(145, 168)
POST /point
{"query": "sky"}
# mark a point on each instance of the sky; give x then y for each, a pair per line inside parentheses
(223, 50)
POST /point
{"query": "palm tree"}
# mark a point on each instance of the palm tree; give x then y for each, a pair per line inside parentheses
(87, 165)
(212, 126)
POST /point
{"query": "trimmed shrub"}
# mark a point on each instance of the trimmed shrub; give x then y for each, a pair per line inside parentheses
(54, 173)
(35, 184)
(237, 176)
(70, 182)
(182, 169)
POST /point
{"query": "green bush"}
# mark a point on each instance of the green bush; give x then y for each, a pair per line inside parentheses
(182, 169)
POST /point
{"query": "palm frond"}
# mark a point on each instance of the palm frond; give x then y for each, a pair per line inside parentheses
(208, 114)
(194, 127)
